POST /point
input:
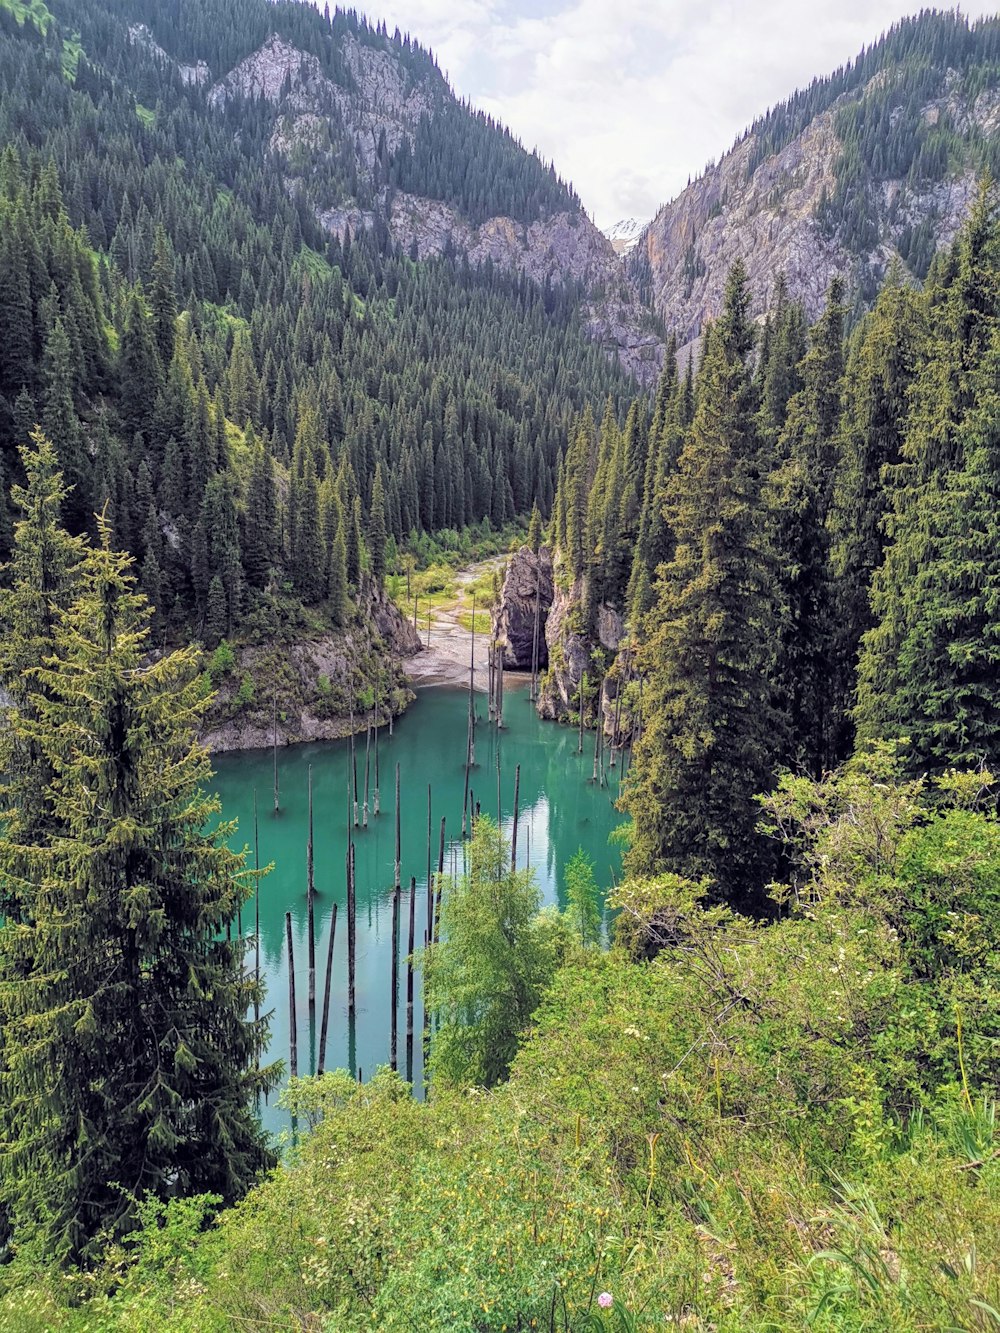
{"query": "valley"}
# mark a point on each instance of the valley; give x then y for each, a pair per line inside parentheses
(331, 1000)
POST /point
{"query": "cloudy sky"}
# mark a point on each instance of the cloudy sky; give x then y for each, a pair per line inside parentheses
(631, 97)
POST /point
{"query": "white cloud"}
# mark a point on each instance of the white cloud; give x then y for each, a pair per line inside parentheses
(629, 100)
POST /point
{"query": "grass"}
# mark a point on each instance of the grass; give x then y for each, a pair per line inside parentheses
(436, 589)
(39, 14)
(34, 11)
(147, 117)
(482, 623)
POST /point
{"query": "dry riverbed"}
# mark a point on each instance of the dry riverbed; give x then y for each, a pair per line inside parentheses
(444, 622)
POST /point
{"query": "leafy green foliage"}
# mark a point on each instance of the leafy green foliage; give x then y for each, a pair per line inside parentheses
(485, 977)
(761, 1127)
(583, 908)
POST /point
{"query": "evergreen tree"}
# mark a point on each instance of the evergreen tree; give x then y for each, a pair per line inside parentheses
(928, 667)
(216, 612)
(41, 579)
(535, 530)
(129, 1057)
(62, 426)
(712, 735)
(336, 553)
(799, 495)
(377, 528)
(260, 519)
(139, 369)
(163, 300)
(879, 376)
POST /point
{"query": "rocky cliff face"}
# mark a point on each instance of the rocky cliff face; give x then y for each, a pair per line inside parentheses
(384, 106)
(570, 651)
(527, 582)
(769, 215)
(316, 682)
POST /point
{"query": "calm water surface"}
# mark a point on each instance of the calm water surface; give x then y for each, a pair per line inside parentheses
(560, 810)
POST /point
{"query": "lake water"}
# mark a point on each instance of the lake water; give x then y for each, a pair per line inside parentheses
(560, 810)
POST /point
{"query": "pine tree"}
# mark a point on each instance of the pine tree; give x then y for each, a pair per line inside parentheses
(260, 519)
(928, 667)
(163, 300)
(129, 1057)
(40, 581)
(712, 736)
(377, 528)
(879, 376)
(535, 529)
(62, 427)
(336, 552)
(139, 371)
(16, 315)
(216, 612)
(799, 494)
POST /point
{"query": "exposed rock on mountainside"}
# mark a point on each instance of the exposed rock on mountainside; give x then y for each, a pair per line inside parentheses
(824, 200)
(386, 105)
(528, 580)
(624, 235)
(316, 681)
(569, 650)
(197, 73)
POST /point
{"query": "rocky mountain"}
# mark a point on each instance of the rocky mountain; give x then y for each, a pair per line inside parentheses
(624, 235)
(370, 133)
(875, 163)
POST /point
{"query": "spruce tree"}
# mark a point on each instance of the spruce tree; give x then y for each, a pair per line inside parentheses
(534, 540)
(798, 495)
(712, 734)
(162, 299)
(260, 519)
(62, 427)
(377, 528)
(879, 376)
(129, 1057)
(140, 370)
(928, 667)
(40, 581)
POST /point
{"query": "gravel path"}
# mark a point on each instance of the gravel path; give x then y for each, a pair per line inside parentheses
(445, 660)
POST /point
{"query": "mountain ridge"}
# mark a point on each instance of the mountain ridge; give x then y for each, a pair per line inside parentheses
(876, 163)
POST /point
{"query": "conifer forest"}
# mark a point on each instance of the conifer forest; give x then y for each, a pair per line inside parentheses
(499, 822)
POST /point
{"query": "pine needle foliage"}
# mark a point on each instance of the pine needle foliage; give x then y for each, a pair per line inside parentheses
(130, 1065)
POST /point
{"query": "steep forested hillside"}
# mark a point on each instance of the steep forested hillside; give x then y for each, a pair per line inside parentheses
(797, 553)
(214, 364)
(877, 161)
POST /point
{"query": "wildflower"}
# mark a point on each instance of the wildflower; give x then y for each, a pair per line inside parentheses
(605, 1300)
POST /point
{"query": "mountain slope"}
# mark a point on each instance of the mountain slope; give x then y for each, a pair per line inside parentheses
(224, 374)
(878, 161)
(370, 134)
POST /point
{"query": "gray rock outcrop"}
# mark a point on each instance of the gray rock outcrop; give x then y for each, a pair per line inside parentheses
(768, 215)
(384, 106)
(318, 681)
(527, 582)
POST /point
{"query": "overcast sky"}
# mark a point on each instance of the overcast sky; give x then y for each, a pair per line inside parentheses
(631, 97)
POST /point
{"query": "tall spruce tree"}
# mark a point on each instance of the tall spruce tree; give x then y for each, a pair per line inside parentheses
(129, 1060)
(40, 581)
(377, 528)
(926, 667)
(880, 371)
(798, 494)
(712, 736)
